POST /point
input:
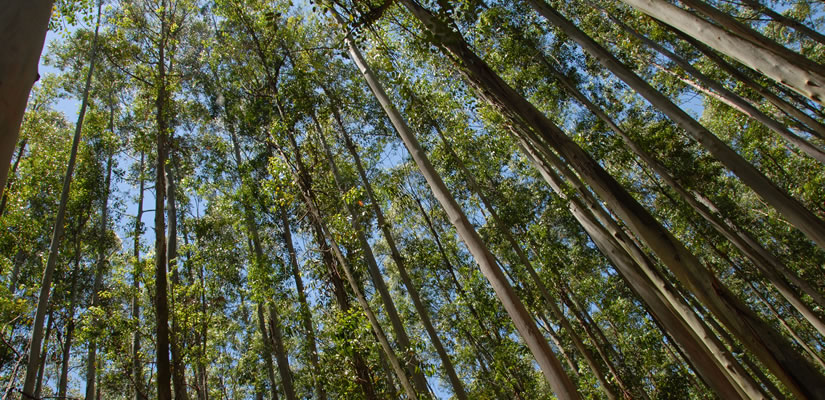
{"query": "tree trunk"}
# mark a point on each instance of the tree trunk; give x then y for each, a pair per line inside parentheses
(5, 194)
(789, 22)
(18, 87)
(280, 352)
(164, 373)
(267, 356)
(300, 176)
(68, 337)
(137, 272)
(306, 315)
(24, 23)
(91, 357)
(767, 57)
(400, 263)
(412, 364)
(303, 179)
(787, 206)
(42, 362)
(175, 336)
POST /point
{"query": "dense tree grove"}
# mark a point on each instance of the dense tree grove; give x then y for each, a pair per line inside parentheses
(467, 199)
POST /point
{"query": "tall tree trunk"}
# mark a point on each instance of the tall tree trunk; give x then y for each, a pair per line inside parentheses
(549, 364)
(68, 336)
(5, 194)
(267, 353)
(44, 357)
(137, 272)
(326, 237)
(164, 372)
(274, 322)
(280, 351)
(767, 57)
(412, 364)
(306, 315)
(24, 25)
(772, 349)
(304, 181)
(400, 263)
(175, 335)
(100, 268)
(19, 75)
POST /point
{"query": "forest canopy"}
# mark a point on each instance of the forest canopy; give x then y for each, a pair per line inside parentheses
(420, 199)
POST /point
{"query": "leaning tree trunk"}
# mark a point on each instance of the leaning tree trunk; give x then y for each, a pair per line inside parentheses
(16, 85)
(412, 364)
(400, 263)
(24, 23)
(770, 61)
(771, 347)
(4, 197)
(547, 361)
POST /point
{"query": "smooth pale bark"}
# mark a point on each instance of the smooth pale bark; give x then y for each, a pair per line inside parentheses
(359, 295)
(789, 22)
(23, 26)
(718, 91)
(805, 79)
(799, 216)
(306, 315)
(412, 364)
(400, 263)
(137, 272)
(91, 357)
(163, 378)
(742, 31)
(551, 367)
(771, 267)
(10, 68)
